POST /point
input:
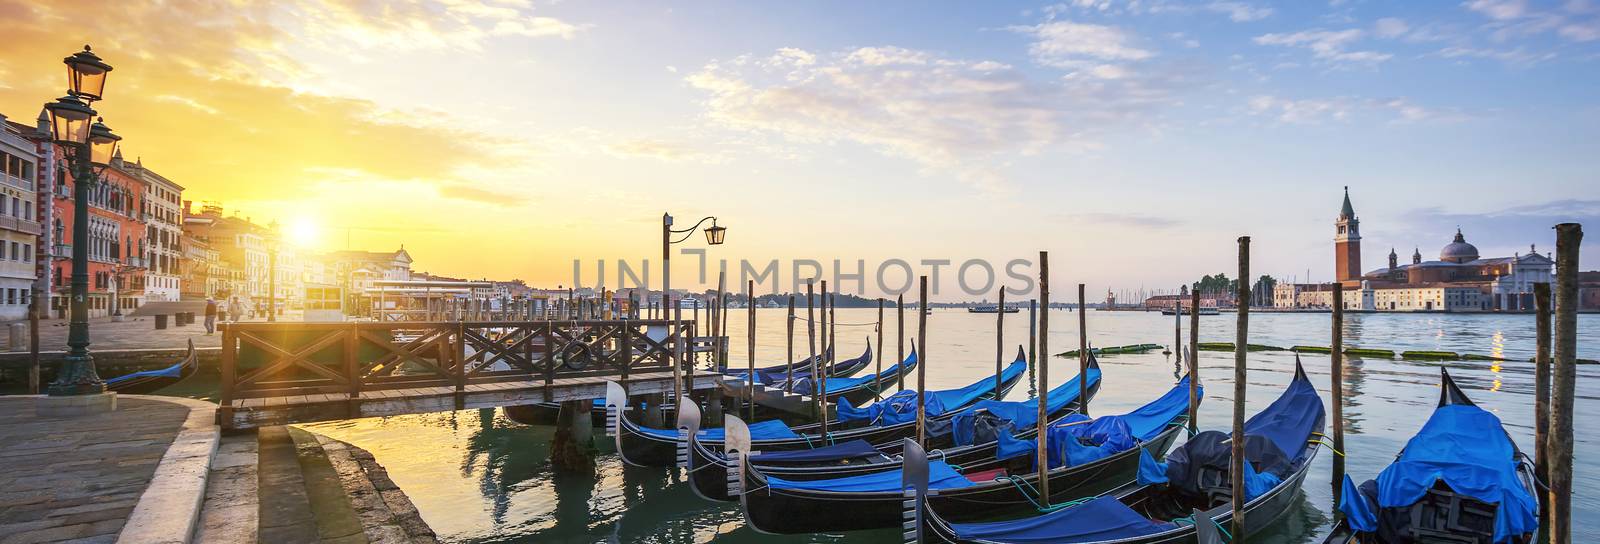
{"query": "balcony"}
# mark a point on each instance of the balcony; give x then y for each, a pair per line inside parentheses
(8, 222)
(136, 262)
(63, 251)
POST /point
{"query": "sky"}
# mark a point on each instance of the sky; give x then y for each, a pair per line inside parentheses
(1134, 140)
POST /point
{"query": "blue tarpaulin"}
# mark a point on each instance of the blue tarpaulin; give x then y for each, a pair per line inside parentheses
(902, 407)
(1357, 510)
(1098, 520)
(940, 476)
(854, 449)
(1468, 449)
(765, 430)
(804, 386)
(173, 371)
(1142, 424)
(1022, 414)
(1151, 471)
(1289, 421)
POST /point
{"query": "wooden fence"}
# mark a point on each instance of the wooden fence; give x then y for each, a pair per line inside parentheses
(264, 360)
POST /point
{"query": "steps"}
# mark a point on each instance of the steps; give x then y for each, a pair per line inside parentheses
(773, 397)
(284, 484)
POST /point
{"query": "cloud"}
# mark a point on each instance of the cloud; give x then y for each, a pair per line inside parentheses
(1328, 45)
(1319, 110)
(657, 149)
(1390, 27)
(945, 113)
(1065, 44)
(419, 24)
(1125, 220)
(1499, 233)
(1240, 12)
(1499, 9)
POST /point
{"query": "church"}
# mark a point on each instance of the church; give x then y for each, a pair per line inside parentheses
(1459, 281)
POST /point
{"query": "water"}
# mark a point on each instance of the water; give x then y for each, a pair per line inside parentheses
(477, 477)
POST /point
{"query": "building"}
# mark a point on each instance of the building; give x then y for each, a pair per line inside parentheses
(20, 149)
(116, 232)
(241, 248)
(162, 211)
(1461, 280)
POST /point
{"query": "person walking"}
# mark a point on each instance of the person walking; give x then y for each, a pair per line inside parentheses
(236, 309)
(211, 315)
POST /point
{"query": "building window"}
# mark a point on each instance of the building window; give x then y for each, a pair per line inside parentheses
(27, 253)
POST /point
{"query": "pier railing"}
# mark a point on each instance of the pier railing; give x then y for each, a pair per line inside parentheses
(264, 360)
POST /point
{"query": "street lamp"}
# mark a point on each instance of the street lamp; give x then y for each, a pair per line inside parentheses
(714, 236)
(87, 144)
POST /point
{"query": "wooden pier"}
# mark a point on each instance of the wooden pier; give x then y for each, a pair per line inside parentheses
(281, 373)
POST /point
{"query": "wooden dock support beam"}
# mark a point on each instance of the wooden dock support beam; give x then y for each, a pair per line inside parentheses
(571, 449)
(1564, 382)
(1240, 348)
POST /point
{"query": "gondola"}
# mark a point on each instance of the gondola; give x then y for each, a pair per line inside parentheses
(1187, 499)
(149, 381)
(544, 413)
(859, 389)
(881, 423)
(1461, 479)
(840, 369)
(978, 489)
(859, 457)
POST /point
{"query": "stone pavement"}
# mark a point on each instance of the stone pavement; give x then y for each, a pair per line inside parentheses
(132, 333)
(79, 479)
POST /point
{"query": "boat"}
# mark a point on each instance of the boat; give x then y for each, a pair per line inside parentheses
(858, 389)
(993, 309)
(832, 369)
(1204, 310)
(1004, 483)
(880, 423)
(149, 381)
(860, 457)
(1186, 499)
(1460, 479)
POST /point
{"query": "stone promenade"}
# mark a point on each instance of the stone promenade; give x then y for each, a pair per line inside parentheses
(79, 479)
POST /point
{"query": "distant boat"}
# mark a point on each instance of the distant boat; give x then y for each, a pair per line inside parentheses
(993, 309)
(1203, 311)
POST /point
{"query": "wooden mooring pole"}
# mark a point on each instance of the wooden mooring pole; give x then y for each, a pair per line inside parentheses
(750, 344)
(1042, 460)
(1240, 345)
(1194, 362)
(1083, 354)
(811, 341)
(922, 364)
(1336, 368)
(1564, 378)
(1033, 345)
(788, 381)
(1541, 390)
(900, 337)
(999, 341)
(877, 376)
(833, 322)
(829, 350)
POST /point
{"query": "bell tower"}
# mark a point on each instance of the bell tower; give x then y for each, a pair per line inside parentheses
(1347, 243)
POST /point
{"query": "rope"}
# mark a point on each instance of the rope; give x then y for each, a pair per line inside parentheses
(1329, 446)
(1226, 536)
(1019, 482)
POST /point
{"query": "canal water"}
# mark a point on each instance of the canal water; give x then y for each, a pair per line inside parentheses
(477, 477)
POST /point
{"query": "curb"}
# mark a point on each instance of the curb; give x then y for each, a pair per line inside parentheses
(169, 509)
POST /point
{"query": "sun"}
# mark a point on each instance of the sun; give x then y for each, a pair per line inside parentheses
(303, 232)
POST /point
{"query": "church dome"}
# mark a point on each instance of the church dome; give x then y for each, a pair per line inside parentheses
(1459, 251)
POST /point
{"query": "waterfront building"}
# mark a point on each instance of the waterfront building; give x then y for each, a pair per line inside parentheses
(20, 150)
(116, 237)
(1461, 280)
(162, 212)
(239, 243)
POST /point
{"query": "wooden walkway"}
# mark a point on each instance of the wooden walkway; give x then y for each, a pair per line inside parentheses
(268, 411)
(283, 373)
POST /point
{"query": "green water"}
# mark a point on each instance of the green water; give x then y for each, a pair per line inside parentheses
(478, 477)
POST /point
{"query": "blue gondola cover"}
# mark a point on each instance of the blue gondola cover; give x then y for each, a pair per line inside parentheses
(1142, 424)
(1467, 448)
(901, 407)
(764, 430)
(1357, 510)
(1151, 471)
(1098, 520)
(940, 476)
(1023, 414)
(854, 449)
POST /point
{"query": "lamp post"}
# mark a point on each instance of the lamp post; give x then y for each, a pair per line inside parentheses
(714, 235)
(272, 273)
(86, 145)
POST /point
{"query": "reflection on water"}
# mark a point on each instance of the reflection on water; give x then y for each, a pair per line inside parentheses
(477, 477)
